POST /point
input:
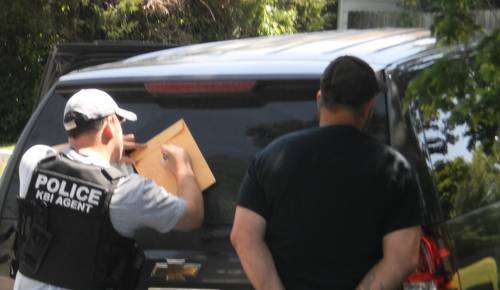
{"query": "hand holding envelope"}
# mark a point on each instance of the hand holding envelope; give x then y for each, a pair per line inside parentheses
(148, 160)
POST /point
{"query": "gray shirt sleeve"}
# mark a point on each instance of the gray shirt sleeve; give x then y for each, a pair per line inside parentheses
(138, 202)
(28, 163)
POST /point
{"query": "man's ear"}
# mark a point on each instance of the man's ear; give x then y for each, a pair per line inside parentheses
(108, 131)
(318, 95)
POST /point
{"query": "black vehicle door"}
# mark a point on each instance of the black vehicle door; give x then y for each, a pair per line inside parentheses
(63, 58)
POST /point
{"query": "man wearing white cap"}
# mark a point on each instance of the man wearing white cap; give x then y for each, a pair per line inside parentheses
(78, 214)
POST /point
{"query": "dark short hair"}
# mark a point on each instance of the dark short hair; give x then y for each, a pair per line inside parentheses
(349, 81)
(83, 124)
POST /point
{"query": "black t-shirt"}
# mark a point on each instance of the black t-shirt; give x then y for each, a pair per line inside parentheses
(329, 195)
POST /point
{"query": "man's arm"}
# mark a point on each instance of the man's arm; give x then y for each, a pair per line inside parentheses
(130, 145)
(247, 238)
(178, 162)
(28, 164)
(401, 250)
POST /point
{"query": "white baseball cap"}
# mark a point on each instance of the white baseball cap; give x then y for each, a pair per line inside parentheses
(93, 104)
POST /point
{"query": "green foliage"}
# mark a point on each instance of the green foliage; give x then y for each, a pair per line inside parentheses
(188, 21)
(271, 17)
(465, 186)
(453, 22)
(29, 29)
(275, 20)
(329, 14)
(121, 19)
(466, 86)
(483, 183)
(310, 14)
(450, 177)
(20, 65)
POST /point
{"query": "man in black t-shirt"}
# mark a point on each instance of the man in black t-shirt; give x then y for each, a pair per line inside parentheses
(330, 207)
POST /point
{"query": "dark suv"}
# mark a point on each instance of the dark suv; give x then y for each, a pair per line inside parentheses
(236, 97)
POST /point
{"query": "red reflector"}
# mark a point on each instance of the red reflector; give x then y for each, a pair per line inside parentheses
(200, 87)
(432, 270)
(443, 253)
(420, 277)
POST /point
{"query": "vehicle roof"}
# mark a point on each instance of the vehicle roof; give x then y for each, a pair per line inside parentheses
(285, 56)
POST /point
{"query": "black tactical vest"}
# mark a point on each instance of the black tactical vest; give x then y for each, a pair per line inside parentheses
(65, 236)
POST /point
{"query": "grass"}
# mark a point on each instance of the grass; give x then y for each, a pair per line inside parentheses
(3, 163)
(7, 146)
(2, 167)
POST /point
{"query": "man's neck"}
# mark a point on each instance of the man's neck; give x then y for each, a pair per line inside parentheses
(339, 116)
(90, 149)
(94, 153)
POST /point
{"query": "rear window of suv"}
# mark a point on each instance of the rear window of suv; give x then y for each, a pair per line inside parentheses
(230, 128)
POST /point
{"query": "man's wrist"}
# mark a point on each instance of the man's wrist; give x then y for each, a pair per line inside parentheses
(184, 173)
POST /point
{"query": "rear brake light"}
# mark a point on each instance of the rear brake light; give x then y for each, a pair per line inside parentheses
(172, 87)
(434, 268)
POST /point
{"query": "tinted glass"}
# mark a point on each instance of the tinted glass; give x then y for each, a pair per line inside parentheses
(466, 171)
(229, 129)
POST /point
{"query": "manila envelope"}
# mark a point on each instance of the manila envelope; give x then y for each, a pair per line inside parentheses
(147, 160)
